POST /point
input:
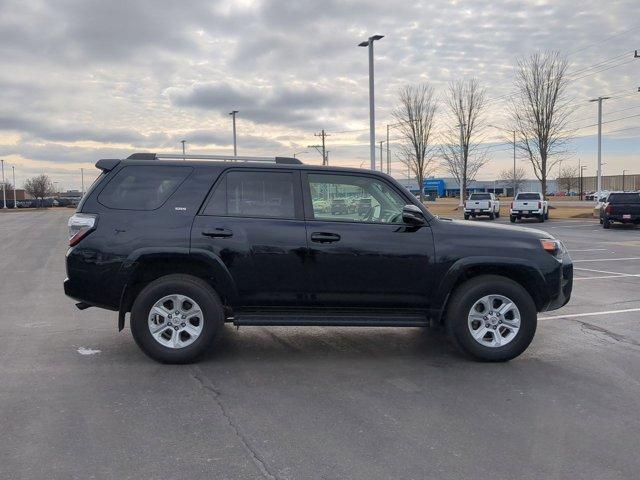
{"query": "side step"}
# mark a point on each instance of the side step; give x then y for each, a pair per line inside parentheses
(330, 320)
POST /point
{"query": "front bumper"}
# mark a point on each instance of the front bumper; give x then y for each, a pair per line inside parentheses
(563, 294)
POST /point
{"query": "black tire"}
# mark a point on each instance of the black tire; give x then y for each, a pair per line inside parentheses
(512, 219)
(498, 214)
(541, 218)
(466, 217)
(546, 215)
(193, 287)
(492, 216)
(601, 221)
(606, 224)
(463, 300)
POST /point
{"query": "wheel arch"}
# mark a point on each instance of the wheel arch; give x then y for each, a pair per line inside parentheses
(522, 272)
(146, 267)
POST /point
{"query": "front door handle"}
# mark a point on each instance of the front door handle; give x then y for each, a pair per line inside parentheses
(324, 237)
(218, 233)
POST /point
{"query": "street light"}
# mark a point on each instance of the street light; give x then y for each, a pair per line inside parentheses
(298, 153)
(235, 145)
(183, 149)
(582, 168)
(4, 187)
(372, 115)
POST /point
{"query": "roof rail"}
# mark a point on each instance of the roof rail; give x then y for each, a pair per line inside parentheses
(224, 158)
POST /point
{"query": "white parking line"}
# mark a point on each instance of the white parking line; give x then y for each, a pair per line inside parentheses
(590, 314)
(599, 271)
(607, 259)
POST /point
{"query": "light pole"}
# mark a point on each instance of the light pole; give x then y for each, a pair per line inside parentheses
(13, 169)
(183, 149)
(582, 167)
(4, 187)
(82, 180)
(462, 193)
(372, 114)
(623, 172)
(235, 145)
(388, 153)
(599, 173)
(298, 153)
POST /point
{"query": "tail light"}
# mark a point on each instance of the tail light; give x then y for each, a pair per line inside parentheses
(80, 225)
(539, 205)
(607, 209)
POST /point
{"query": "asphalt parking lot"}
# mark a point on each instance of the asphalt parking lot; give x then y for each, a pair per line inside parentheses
(79, 400)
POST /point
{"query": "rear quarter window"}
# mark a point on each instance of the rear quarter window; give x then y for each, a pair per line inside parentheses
(139, 187)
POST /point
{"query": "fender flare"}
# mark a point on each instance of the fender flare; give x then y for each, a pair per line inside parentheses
(459, 268)
(209, 265)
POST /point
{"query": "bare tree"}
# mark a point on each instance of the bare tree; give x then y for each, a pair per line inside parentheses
(541, 110)
(39, 187)
(461, 152)
(517, 180)
(568, 178)
(415, 117)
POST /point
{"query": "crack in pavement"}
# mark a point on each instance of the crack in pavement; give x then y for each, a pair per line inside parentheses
(206, 384)
(614, 336)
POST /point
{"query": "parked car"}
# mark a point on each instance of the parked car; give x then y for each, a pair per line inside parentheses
(185, 246)
(622, 207)
(482, 204)
(338, 206)
(529, 205)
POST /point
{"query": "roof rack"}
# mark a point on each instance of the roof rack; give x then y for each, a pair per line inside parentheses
(224, 158)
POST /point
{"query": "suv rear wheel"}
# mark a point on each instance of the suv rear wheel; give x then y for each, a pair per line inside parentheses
(491, 318)
(175, 318)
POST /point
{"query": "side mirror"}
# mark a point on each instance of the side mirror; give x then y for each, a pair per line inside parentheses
(412, 215)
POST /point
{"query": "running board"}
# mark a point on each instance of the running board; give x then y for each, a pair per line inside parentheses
(308, 320)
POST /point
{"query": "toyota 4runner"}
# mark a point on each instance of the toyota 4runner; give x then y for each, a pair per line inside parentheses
(185, 245)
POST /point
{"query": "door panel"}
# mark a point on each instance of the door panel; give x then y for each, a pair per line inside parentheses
(360, 252)
(253, 222)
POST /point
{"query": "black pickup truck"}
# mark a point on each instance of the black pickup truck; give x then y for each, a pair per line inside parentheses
(623, 207)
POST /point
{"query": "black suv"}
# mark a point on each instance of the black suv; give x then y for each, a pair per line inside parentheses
(186, 246)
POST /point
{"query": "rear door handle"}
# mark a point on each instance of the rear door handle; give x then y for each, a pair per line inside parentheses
(218, 233)
(324, 237)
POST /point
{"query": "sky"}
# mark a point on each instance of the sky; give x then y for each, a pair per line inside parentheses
(84, 80)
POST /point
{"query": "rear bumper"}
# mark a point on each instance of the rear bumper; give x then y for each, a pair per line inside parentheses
(77, 292)
(526, 213)
(620, 218)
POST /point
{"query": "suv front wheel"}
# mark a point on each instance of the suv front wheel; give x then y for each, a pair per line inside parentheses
(491, 318)
(175, 318)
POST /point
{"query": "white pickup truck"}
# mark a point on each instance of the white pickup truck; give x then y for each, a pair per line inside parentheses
(482, 204)
(529, 205)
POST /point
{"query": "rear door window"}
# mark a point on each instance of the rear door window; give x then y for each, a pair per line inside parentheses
(254, 194)
(528, 196)
(138, 187)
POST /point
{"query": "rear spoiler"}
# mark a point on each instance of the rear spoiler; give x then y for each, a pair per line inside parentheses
(107, 164)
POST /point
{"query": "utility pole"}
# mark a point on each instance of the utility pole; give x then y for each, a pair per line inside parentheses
(82, 180)
(599, 173)
(183, 149)
(388, 153)
(372, 113)
(381, 164)
(235, 145)
(582, 167)
(320, 150)
(4, 187)
(13, 169)
(323, 134)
